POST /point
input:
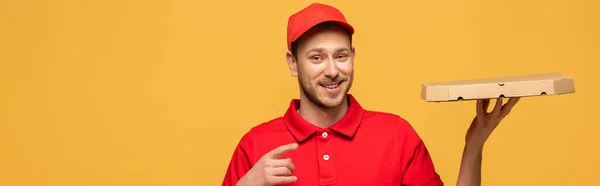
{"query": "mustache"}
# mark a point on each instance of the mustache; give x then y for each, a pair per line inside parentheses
(337, 79)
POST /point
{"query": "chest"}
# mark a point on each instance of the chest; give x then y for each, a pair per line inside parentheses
(328, 159)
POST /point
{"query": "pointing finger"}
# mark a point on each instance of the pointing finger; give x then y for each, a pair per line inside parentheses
(281, 150)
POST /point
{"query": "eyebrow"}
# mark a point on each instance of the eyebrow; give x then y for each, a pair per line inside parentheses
(322, 49)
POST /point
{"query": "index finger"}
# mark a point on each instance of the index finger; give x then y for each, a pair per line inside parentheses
(281, 150)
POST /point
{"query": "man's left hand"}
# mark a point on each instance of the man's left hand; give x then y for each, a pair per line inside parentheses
(484, 123)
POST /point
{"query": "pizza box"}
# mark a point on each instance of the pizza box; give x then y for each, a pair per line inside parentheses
(489, 88)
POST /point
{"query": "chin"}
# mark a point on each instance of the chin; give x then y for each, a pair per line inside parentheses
(332, 100)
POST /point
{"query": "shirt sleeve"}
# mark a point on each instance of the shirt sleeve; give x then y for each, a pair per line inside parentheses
(239, 164)
(419, 170)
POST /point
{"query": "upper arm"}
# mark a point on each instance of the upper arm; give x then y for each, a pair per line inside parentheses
(240, 162)
(419, 168)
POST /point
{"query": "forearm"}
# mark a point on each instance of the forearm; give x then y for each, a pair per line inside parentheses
(470, 167)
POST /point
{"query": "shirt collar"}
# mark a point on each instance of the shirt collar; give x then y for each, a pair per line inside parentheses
(302, 129)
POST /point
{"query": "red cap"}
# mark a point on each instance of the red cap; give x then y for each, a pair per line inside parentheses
(310, 16)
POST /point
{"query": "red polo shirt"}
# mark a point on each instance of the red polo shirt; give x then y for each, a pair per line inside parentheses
(363, 148)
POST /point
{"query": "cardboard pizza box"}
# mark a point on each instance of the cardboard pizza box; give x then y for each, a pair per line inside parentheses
(489, 88)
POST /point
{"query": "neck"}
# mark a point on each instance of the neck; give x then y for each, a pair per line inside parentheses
(321, 117)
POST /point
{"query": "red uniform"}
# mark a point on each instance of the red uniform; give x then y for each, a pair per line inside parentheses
(363, 148)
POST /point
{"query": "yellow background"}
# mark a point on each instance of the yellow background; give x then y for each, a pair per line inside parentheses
(159, 92)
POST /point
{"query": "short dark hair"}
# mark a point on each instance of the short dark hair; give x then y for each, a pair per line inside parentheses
(326, 24)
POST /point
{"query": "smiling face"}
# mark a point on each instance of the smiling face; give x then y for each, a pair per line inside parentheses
(324, 64)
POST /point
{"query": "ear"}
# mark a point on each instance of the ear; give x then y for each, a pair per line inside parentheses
(292, 64)
(353, 54)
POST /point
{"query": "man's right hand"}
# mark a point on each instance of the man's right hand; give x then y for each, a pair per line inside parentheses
(270, 170)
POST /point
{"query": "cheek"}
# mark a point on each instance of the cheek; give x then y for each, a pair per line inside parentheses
(346, 68)
(311, 71)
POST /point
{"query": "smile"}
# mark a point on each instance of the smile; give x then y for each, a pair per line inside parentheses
(331, 85)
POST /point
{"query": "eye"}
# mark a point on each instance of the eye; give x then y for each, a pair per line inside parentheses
(341, 57)
(316, 58)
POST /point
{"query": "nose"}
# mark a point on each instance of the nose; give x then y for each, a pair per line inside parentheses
(331, 70)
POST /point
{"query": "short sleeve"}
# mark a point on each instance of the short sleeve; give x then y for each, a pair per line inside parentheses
(419, 170)
(239, 164)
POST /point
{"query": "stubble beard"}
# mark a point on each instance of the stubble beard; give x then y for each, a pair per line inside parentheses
(310, 91)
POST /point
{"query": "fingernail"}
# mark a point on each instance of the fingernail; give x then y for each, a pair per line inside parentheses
(294, 145)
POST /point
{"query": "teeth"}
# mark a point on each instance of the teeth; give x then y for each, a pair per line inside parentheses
(331, 86)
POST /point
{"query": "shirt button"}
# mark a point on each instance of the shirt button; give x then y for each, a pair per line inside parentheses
(326, 157)
(324, 134)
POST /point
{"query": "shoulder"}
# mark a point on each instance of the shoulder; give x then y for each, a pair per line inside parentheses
(271, 126)
(268, 127)
(253, 141)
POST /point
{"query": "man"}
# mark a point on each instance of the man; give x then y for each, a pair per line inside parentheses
(327, 138)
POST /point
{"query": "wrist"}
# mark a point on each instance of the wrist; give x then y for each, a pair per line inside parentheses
(474, 146)
(241, 182)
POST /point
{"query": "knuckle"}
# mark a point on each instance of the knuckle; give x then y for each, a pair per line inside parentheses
(268, 163)
(267, 179)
